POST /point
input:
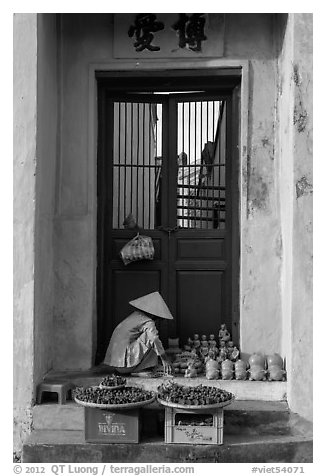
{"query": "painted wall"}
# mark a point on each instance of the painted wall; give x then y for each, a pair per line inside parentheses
(87, 39)
(24, 110)
(47, 99)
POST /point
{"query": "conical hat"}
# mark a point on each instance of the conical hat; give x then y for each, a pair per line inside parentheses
(154, 304)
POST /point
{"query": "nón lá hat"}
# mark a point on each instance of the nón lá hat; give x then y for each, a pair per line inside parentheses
(154, 304)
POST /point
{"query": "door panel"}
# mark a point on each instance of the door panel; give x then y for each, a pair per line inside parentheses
(199, 249)
(166, 160)
(199, 301)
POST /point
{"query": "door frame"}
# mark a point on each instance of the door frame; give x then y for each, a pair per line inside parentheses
(224, 81)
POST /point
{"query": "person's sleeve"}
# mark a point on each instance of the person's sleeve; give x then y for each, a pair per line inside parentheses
(153, 338)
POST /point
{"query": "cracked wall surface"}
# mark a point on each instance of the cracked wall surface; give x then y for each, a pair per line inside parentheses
(24, 110)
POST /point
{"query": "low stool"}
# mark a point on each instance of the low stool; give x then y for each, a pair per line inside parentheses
(60, 388)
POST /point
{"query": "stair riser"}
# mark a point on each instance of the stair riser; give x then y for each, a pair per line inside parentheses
(272, 452)
(63, 417)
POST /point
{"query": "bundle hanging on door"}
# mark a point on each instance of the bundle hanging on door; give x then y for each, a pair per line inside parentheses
(139, 248)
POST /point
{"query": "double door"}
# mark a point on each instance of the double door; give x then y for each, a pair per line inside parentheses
(166, 164)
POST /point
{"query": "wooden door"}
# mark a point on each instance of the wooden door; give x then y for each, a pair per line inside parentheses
(167, 160)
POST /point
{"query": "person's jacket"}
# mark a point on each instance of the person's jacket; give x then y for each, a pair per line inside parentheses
(131, 340)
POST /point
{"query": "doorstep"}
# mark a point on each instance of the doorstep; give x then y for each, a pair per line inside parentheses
(242, 389)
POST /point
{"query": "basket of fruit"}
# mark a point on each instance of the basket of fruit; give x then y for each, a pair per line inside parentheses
(116, 399)
(171, 394)
(113, 381)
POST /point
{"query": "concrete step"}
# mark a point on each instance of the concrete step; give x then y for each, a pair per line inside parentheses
(242, 389)
(44, 446)
(241, 417)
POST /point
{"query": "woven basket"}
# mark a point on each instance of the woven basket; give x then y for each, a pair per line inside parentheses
(112, 387)
(195, 407)
(106, 406)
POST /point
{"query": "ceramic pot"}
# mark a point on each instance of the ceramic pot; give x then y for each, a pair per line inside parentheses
(227, 364)
(257, 373)
(240, 374)
(211, 364)
(257, 360)
(240, 365)
(276, 373)
(274, 359)
(212, 374)
(227, 374)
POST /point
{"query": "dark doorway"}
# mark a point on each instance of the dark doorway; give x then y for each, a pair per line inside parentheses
(169, 156)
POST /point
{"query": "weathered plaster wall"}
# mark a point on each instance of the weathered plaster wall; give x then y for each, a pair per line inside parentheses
(295, 178)
(284, 124)
(25, 76)
(301, 384)
(87, 39)
(47, 98)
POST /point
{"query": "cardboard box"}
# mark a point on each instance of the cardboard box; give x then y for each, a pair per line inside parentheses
(105, 426)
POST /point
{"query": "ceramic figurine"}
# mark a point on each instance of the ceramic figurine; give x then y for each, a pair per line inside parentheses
(256, 372)
(224, 334)
(191, 371)
(258, 360)
(227, 374)
(240, 374)
(274, 359)
(211, 355)
(211, 364)
(196, 343)
(276, 373)
(235, 354)
(212, 342)
(212, 374)
(223, 352)
(204, 349)
(229, 348)
(227, 364)
(240, 365)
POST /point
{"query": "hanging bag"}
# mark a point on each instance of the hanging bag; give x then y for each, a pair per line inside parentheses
(139, 248)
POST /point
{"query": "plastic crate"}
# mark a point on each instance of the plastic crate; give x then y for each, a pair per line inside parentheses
(185, 426)
(104, 426)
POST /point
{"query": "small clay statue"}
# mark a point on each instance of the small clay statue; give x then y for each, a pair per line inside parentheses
(204, 349)
(223, 352)
(191, 370)
(212, 342)
(196, 342)
(235, 354)
(224, 334)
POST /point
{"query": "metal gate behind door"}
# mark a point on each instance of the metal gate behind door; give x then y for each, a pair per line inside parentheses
(137, 164)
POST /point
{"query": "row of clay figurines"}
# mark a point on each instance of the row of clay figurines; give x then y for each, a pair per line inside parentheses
(208, 348)
(257, 368)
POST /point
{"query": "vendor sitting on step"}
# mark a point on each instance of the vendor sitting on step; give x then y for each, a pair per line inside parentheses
(135, 344)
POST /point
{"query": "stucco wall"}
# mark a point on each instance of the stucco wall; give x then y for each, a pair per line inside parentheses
(24, 109)
(47, 99)
(301, 385)
(294, 121)
(87, 39)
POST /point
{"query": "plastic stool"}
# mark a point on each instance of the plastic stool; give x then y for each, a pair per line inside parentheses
(61, 388)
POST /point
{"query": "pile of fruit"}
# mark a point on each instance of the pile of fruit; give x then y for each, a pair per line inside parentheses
(199, 395)
(103, 396)
(113, 381)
